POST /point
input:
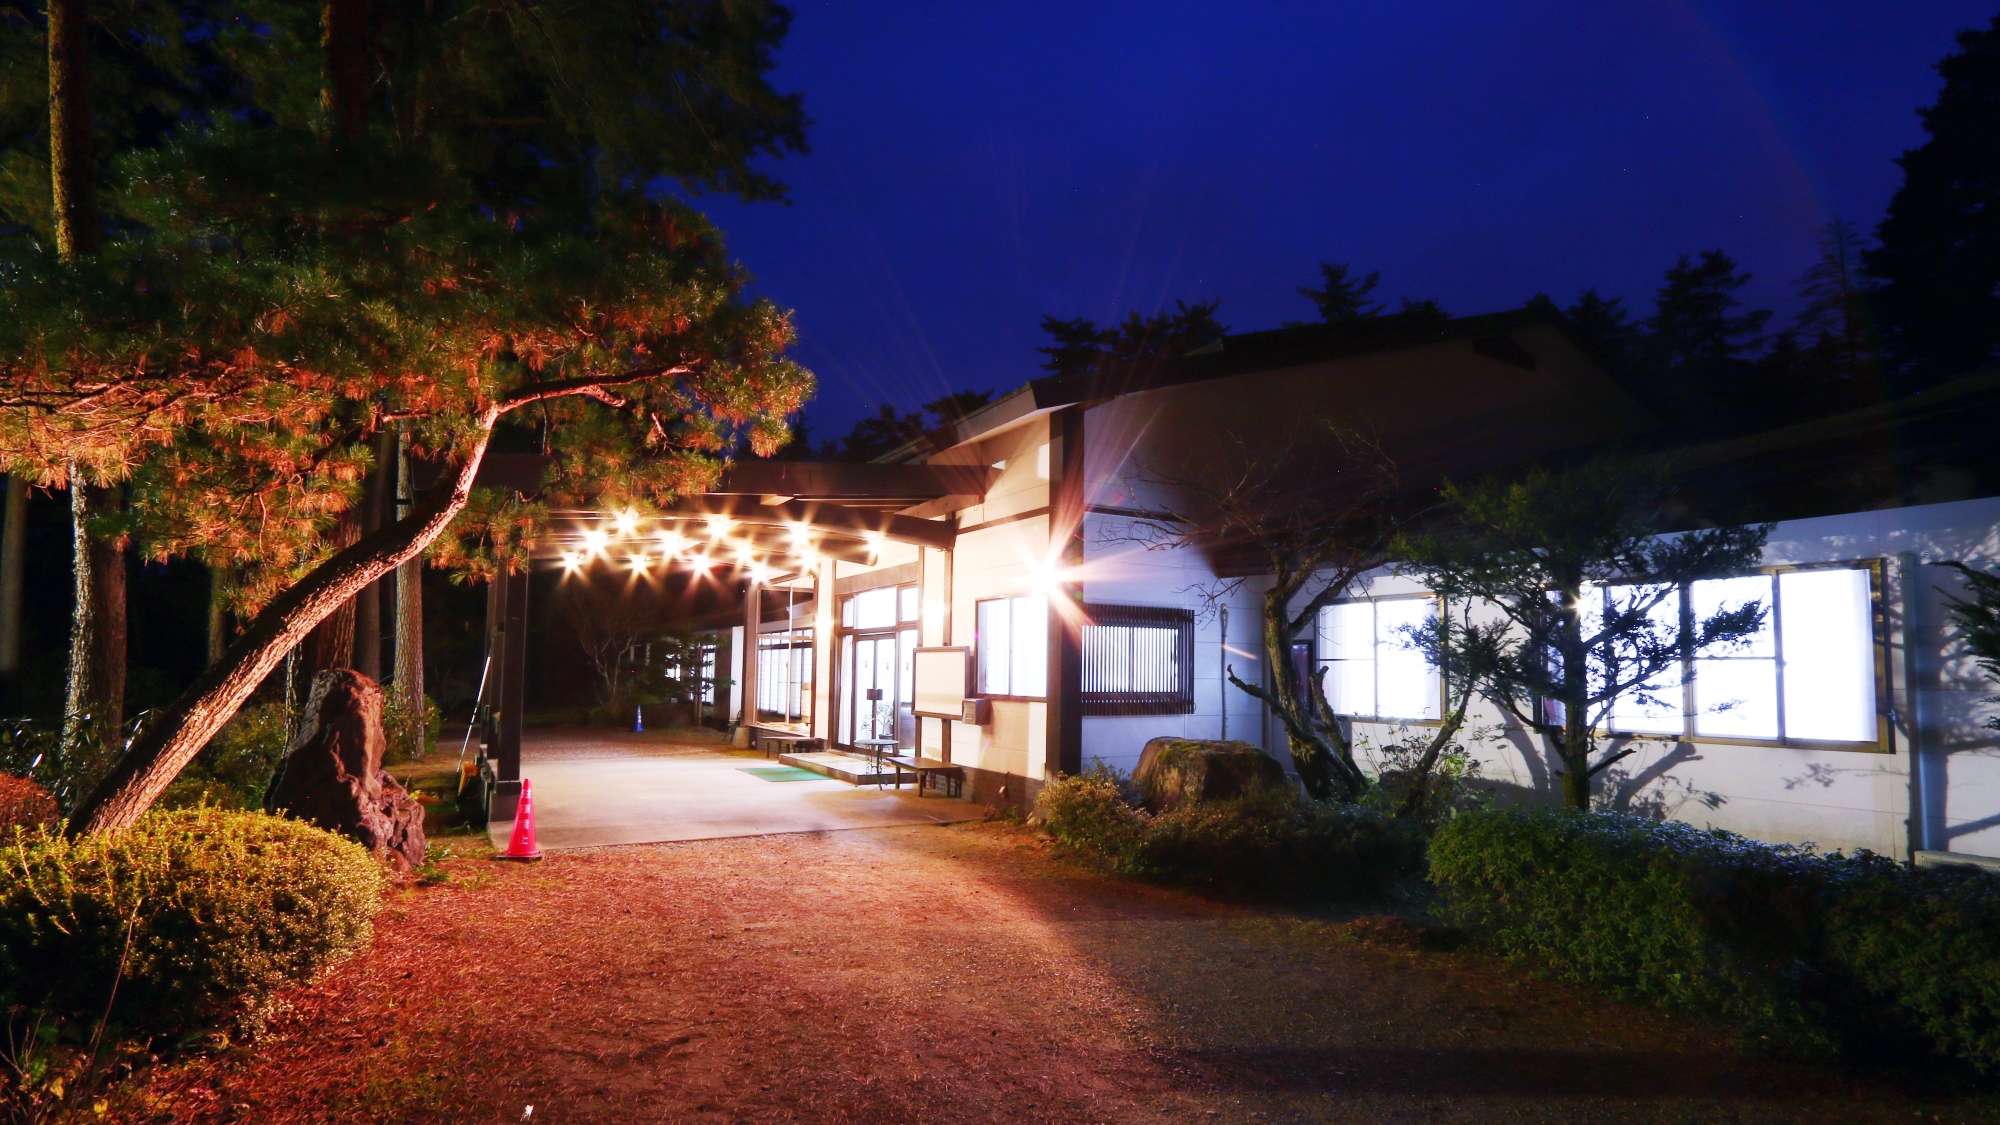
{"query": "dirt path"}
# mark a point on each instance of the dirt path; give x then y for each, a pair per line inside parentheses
(953, 974)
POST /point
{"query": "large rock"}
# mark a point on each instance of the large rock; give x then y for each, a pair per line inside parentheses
(1173, 771)
(333, 775)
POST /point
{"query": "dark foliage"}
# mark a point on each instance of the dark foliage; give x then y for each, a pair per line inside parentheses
(1269, 845)
(1080, 346)
(1809, 950)
(1939, 258)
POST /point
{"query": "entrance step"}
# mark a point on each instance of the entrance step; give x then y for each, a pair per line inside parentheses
(854, 769)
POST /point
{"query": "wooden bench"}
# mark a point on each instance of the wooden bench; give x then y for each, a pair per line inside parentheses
(927, 769)
(786, 741)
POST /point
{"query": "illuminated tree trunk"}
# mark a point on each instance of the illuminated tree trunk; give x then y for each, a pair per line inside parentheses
(13, 586)
(145, 770)
(368, 603)
(217, 618)
(94, 705)
(409, 598)
(331, 643)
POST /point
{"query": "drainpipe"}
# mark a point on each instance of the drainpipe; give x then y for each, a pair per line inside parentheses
(1222, 670)
(1910, 720)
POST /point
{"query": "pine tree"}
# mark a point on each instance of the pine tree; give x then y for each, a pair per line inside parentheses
(1341, 295)
(1939, 255)
(1698, 348)
(1080, 346)
(490, 242)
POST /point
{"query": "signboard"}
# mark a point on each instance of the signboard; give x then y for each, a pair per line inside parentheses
(941, 675)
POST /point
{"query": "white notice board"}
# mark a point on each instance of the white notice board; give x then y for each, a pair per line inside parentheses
(941, 675)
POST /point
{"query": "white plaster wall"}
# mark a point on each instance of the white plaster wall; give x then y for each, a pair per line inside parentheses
(1833, 798)
(1117, 572)
(995, 562)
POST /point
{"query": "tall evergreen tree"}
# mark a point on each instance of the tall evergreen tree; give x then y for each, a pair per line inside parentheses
(493, 242)
(1939, 256)
(1079, 346)
(1700, 343)
(1342, 295)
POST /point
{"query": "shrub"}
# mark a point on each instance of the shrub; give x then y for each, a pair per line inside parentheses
(408, 735)
(1264, 844)
(24, 803)
(209, 911)
(1928, 942)
(235, 767)
(1090, 814)
(1700, 920)
(1814, 950)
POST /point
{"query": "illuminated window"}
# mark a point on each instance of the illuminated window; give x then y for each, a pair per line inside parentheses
(1809, 673)
(1372, 670)
(1013, 646)
(1138, 660)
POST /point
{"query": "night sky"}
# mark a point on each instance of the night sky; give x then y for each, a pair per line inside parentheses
(975, 166)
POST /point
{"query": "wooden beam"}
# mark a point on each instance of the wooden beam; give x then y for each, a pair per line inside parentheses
(834, 480)
(829, 519)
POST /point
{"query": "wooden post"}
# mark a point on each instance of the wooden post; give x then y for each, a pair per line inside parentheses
(1064, 733)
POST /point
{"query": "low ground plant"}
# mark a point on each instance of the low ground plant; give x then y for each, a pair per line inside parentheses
(1271, 844)
(185, 925)
(1803, 949)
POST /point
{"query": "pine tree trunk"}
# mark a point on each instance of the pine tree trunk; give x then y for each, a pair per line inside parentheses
(368, 603)
(409, 598)
(72, 150)
(94, 707)
(13, 587)
(145, 770)
(331, 643)
(217, 619)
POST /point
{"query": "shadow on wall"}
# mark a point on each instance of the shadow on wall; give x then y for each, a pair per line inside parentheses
(1959, 780)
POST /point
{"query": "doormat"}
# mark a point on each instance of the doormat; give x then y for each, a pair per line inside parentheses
(782, 773)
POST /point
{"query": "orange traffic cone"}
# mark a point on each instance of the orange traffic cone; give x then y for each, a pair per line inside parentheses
(521, 845)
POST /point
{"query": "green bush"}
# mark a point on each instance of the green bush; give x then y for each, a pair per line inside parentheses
(1700, 920)
(1268, 844)
(1928, 942)
(409, 736)
(1813, 950)
(236, 765)
(209, 911)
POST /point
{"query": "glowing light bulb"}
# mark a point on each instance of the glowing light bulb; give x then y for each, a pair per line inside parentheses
(639, 562)
(801, 533)
(594, 540)
(570, 561)
(672, 542)
(760, 573)
(701, 563)
(718, 526)
(627, 523)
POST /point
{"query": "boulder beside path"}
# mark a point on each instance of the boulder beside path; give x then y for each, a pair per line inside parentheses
(333, 776)
(1174, 771)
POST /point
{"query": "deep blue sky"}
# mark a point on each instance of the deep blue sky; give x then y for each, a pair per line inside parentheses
(977, 165)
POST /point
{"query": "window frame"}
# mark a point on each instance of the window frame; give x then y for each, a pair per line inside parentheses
(1180, 701)
(1878, 649)
(979, 655)
(1319, 660)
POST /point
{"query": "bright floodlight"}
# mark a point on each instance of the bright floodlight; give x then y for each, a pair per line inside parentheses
(627, 523)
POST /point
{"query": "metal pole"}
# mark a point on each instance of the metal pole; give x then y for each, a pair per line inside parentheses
(1222, 670)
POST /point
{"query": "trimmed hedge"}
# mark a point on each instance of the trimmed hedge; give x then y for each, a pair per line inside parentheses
(1810, 949)
(1273, 844)
(223, 909)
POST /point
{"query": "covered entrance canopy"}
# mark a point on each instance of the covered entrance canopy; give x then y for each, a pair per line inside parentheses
(768, 526)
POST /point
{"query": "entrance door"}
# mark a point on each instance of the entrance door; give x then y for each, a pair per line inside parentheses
(876, 689)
